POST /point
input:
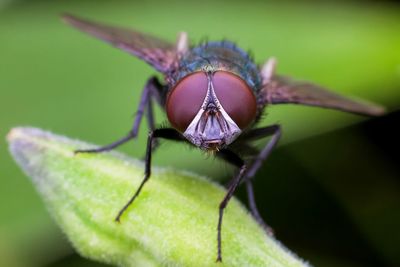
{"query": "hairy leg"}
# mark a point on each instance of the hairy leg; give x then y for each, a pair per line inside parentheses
(275, 131)
(149, 91)
(167, 133)
(234, 159)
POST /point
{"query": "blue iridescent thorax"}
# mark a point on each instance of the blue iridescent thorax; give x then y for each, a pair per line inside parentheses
(221, 55)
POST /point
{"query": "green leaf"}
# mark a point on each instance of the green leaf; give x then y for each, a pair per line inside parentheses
(172, 223)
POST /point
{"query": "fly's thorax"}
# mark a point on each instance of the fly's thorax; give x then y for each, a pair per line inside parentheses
(211, 108)
(220, 56)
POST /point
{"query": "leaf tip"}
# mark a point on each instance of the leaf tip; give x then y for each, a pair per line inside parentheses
(23, 132)
(13, 134)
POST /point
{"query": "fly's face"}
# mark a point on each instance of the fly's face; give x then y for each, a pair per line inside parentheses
(211, 108)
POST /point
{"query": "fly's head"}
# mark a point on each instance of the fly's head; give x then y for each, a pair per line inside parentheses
(211, 108)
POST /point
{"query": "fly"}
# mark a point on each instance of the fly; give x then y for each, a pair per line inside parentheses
(213, 94)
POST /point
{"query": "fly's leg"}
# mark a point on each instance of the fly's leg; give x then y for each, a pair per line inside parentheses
(234, 159)
(254, 210)
(167, 133)
(150, 90)
(156, 93)
(275, 131)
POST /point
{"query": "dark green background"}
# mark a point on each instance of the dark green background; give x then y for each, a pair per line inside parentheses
(332, 197)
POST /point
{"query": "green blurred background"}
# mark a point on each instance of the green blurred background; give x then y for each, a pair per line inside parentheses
(332, 189)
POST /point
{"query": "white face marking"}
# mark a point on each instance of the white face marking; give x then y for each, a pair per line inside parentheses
(212, 125)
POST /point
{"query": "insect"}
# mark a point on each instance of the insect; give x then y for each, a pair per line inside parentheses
(213, 95)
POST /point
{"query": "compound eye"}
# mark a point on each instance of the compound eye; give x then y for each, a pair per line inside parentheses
(236, 97)
(185, 100)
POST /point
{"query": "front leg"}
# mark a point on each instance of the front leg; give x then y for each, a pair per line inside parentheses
(234, 159)
(255, 164)
(275, 131)
(166, 133)
(150, 91)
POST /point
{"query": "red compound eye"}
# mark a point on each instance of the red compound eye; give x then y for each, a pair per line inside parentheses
(236, 97)
(185, 100)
